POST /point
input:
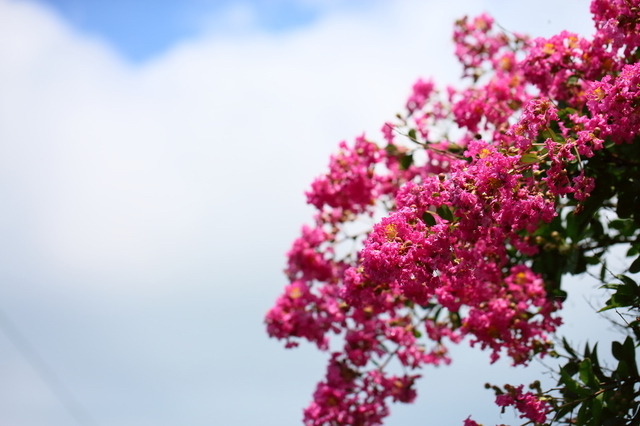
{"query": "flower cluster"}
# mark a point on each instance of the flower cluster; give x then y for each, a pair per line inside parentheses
(451, 258)
(531, 406)
(458, 255)
(614, 104)
(560, 66)
(618, 23)
(349, 184)
(348, 398)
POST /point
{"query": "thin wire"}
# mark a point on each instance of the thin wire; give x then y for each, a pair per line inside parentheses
(46, 374)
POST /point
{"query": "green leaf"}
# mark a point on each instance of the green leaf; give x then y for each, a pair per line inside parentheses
(625, 352)
(596, 227)
(629, 349)
(572, 385)
(572, 368)
(635, 266)
(391, 149)
(428, 219)
(603, 270)
(454, 318)
(586, 375)
(626, 205)
(617, 224)
(406, 161)
(629, 284)
(614, 421)
(611, 286)
(529, 158)
(581, 418)
(445, 212)
(608, 305)
(596, 410)
(592, 260)
(625, 227)
(623, 297)
(412, 134)
(566, 409)
(576, 262)
(568, 348)
(623, 370)
(595, 364)
(572, 227)
(436, 315)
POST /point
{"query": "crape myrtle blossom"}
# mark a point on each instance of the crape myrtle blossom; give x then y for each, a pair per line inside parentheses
(618, 23)
(460, 260)
(561, 66)
(421, 92)
(450, 260)
(530, 405)
(350, 183)
(614, 103)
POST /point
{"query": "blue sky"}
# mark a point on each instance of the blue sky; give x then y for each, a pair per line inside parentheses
(153, 162)
(144, 28)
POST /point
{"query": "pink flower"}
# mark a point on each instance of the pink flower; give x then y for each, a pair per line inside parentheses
(421, 92)
(528, 404)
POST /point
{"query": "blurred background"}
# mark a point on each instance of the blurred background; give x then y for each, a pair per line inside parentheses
(153, 159)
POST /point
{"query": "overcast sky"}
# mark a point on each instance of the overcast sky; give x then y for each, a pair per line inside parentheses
(153, 160)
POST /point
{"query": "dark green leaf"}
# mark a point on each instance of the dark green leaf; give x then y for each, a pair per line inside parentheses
(572, 385)
(614, 421)
(566, 409)
(630, 284)
(626, 203)
(445, 213)
(635, 266)
(617, 224)
(581, 418)
(406, 161)
(428, 219)
(596, 411)
(603, 270)
(568, 348)
(624, 351)
(586, 375)
(623, 370)
(595, 364)
(629, 349)
(592, 260)
(572, 227)
(596, 227)
(572, 368)
(454, 318)
(391, 149)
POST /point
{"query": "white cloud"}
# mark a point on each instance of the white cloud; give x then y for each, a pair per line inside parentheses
(125, 164)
